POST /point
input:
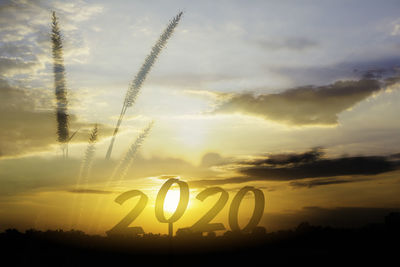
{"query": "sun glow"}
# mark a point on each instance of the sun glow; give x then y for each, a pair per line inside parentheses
(171, 200)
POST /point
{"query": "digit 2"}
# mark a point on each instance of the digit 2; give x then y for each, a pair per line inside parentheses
(123, 226)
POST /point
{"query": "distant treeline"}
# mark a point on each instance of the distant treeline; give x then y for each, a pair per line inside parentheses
(307, 244)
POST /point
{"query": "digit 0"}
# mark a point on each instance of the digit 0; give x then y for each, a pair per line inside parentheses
(257, 213)
(180, 210)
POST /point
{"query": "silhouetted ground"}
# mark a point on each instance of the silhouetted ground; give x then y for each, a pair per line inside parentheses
(307, 245)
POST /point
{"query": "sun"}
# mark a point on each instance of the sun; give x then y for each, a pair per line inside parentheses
(171, 200)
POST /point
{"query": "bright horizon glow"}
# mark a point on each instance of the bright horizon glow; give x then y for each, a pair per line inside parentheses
(172, 200)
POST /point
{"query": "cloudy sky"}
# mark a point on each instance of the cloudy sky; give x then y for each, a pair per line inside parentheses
(296, 98)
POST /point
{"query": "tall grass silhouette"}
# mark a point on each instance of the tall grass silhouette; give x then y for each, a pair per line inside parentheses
(121, 170)
(89, 156)
(63, 132)
(125, 162)
(132, 93)
(84, 173)
(60, 86)
(136, 84)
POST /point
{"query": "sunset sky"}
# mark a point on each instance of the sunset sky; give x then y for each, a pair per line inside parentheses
(297, 98)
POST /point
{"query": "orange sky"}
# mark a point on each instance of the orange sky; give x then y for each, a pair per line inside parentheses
(292, 99)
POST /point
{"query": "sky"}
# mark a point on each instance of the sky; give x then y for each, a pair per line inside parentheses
(295, 98)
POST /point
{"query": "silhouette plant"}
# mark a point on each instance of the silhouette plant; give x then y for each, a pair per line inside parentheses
(89, 156)
(60, 86)
(63, 133)
(123, 166)
(126, 161)
(136, 84)
(86, 166)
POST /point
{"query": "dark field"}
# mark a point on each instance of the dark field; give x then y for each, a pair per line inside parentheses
(308, 245)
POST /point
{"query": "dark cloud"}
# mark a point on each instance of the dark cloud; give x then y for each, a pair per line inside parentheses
(389, 81)
(293, 43)
(90, 191)
(307, 105)
(324, 181)
(362, 165)
(285, 159)
(312, 104)
(334, 217)
(381, 68)
(311, 164)
(308, 165)
(395, 156)
(295, 184)
(222, 181)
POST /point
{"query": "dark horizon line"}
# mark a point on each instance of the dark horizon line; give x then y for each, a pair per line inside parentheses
(391, 220)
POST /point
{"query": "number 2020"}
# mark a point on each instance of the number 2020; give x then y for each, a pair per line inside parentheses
(203, 224)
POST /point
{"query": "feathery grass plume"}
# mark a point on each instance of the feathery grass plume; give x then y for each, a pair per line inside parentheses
(88, 157)
(136, 84)
(149, 61)
(123, 166)
(60, 86)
